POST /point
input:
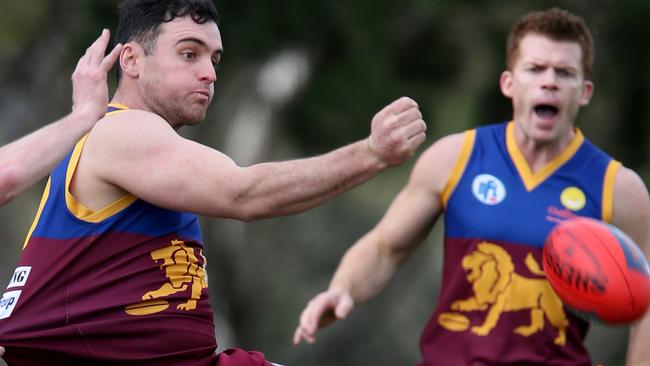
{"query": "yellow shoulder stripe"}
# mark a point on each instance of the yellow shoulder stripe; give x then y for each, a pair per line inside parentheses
(459, 167)
(46, 195)
(76, 208)
(608, 190)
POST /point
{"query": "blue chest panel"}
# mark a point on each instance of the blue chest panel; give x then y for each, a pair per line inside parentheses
(140, 217)
(492, 202)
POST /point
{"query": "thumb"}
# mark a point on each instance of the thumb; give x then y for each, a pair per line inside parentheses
(344, 307)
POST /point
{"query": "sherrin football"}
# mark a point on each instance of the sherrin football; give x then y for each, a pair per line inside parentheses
(597, 269)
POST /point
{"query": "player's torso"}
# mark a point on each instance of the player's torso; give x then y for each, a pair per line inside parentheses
(127, 282)
(495, 306)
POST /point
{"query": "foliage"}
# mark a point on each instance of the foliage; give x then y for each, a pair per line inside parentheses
(445, 54)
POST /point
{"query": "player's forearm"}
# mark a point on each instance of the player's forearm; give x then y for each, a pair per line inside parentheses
(290, 187)
(27, 160)
(365, 269)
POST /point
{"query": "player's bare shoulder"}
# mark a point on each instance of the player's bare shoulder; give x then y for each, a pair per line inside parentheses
(632, 206)
(437, 161)
(127, 130)
(132, 119)
(630, 191)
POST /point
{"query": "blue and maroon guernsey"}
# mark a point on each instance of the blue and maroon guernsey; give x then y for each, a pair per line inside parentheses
(495, 305)
(122, 286)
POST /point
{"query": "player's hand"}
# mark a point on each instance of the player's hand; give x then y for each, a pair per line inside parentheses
(320, 312)
(397, 131)
(89, 79)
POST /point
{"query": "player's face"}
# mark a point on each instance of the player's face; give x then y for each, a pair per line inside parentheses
(177, 79)
(547, 87)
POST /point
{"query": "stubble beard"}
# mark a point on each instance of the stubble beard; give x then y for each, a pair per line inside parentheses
(177, 113)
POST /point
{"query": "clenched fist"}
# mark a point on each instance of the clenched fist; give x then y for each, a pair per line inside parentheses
(397, 131)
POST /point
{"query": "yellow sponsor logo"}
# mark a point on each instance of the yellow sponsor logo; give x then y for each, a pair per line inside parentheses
(573, 198)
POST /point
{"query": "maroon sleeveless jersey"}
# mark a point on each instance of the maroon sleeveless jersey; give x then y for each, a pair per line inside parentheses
(122, 286)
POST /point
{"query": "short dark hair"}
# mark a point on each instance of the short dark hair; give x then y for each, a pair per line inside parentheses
(558, 25)
(140, 20)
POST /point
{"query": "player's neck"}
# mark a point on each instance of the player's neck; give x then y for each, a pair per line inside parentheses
(131, 100)
(539, 153)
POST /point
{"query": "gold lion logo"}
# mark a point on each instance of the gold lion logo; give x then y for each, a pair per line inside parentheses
(497, 289)
(181, 269)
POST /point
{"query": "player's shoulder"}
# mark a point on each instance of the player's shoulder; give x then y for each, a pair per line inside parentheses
(438, 160)
(447, 148)
(631, 205)
(131, 118)
(128, 131)
(130, 124)
(628, 181)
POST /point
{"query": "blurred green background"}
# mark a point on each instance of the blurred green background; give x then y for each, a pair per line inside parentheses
(300, 78)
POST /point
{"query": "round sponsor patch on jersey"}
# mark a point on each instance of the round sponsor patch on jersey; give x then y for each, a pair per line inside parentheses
(573, 198)
(488, 189)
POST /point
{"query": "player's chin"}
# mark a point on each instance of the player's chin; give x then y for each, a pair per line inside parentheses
(545, 131)
(542, 135)
(195, 114)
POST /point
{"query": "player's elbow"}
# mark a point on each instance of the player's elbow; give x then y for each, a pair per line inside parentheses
(9, 182)
(249, 210)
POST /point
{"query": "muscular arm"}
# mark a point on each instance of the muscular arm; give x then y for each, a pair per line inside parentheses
(150, 160)
(27, 160)
(632, 215)
(371, 262)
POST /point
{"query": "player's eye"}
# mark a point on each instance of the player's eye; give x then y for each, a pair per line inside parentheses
(189, 55)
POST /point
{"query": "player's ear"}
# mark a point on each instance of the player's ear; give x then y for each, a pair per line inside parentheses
(130, 59)
(587, 92)
(505, 82)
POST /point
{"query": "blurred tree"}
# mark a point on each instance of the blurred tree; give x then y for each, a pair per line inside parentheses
(299, 78)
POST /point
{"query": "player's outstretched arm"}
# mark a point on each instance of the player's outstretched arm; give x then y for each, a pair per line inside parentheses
(370, 263)
(27, 160)
(186, 176)
(632, 214)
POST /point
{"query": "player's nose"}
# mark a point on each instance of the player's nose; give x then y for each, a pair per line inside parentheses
(207, 72)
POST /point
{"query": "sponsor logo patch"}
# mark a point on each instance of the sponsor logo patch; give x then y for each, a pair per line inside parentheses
(488, 189)
(8, 303)
(20, 276)
(573, 198)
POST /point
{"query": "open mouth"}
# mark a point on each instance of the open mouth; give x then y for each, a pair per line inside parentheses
(546, 111)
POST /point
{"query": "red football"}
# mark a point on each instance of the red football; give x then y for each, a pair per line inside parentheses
(597, 269)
